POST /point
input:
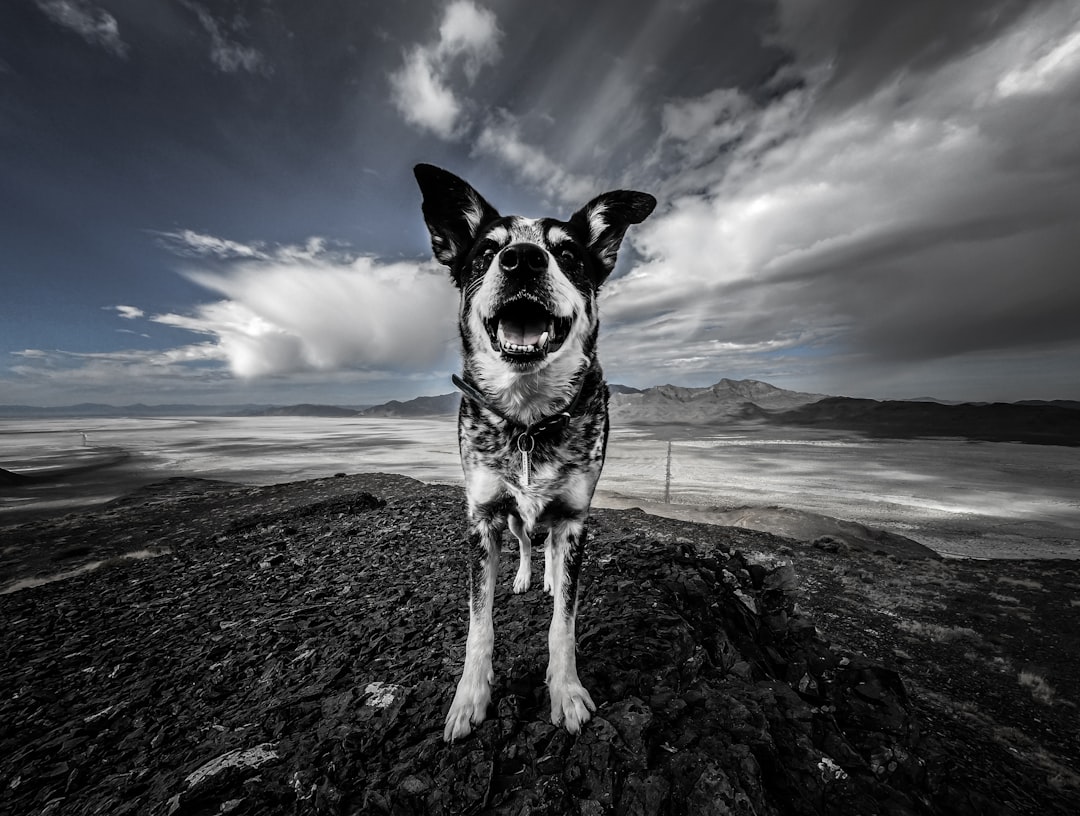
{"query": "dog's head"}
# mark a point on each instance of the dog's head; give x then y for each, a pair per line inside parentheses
(528, 286)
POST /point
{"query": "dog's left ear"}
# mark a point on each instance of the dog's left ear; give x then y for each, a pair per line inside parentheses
(454, 213)
(604, 221)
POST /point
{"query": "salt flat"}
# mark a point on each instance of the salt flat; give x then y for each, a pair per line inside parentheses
(962, 498)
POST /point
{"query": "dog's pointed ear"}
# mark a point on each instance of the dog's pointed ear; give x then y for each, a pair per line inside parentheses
(453, 211)
(604, 220)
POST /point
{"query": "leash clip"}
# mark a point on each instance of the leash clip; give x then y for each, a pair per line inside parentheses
(526, 442)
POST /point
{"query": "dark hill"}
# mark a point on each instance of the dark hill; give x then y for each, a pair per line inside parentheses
(991, 422)
(442, 405)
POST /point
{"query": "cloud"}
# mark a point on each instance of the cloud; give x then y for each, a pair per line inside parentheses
(469, 33)
(93, 24)
(173, 374)
(191, 374)
(421, 89)
(916, 222)
(192, 244)
(294, 309)
(228, 55)
(423, 98)
(308, 318)
(501, 138)
(865, 47)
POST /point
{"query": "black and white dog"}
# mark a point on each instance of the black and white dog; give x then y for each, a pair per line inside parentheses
(533, 423)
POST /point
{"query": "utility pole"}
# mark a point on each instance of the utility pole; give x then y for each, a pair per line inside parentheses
(667, 476)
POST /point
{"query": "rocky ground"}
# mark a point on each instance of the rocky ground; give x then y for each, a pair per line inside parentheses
(294, 650)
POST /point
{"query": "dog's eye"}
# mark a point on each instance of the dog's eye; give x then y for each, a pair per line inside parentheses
(487, 252)
(568, 256)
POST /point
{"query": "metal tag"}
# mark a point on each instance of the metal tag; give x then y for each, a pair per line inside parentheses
(525, 444)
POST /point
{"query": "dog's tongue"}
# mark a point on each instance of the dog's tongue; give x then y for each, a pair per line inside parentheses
(522, 332)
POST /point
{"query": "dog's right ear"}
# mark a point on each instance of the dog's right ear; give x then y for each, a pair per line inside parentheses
(454, 213)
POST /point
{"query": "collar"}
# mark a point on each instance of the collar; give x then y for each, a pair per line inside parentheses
(526, 438)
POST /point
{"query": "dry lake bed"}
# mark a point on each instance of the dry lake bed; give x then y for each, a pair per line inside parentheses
(961, 498)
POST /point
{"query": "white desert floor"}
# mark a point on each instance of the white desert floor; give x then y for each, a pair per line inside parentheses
(966, 499)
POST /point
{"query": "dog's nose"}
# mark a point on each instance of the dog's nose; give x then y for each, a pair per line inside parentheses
(523, 259)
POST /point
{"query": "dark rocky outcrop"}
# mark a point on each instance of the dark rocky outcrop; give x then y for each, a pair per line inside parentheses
(295, 651)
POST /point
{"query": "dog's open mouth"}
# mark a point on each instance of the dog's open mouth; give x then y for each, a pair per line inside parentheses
(524, 331)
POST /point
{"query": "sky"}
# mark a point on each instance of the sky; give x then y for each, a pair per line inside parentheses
(212, 202)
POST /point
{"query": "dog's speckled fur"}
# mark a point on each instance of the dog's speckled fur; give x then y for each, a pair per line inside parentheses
(570, 260)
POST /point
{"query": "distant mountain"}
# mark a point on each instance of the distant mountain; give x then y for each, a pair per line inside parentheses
(726, 401)
(99, 410)
(1072, 405)
(442, 405)
(1047, 424)
(934, 399)
(663, 404)
(1055, 422)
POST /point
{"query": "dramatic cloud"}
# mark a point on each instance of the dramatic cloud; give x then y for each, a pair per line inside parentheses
(301, 309)
(854, 197)
(921, 219)
(420, 89)
(93, 24)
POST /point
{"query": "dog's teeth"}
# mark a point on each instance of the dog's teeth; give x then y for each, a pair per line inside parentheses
(543, 341)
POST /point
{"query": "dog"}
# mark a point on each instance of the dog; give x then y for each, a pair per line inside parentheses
(533, 421)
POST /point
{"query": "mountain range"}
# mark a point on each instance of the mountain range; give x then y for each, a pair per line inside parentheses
(728, 401)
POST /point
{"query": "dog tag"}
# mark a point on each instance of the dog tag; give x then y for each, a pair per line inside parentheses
(526, 444)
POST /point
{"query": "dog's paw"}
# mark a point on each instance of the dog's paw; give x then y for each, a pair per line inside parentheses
(523, 579)
(571, 706)
(468, 709)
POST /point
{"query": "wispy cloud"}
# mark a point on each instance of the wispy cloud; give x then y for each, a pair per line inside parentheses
(129, 312)
(192, 244)
(93, 24)
(227, 54)
(421, 88)
(176, 374)
(501, 138)
(431, 95)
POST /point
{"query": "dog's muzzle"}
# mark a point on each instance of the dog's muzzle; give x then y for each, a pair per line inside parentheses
(523, 328)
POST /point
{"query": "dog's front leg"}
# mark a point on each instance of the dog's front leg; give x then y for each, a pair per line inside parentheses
(473, 693)
(571, 704)
(523, 578)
